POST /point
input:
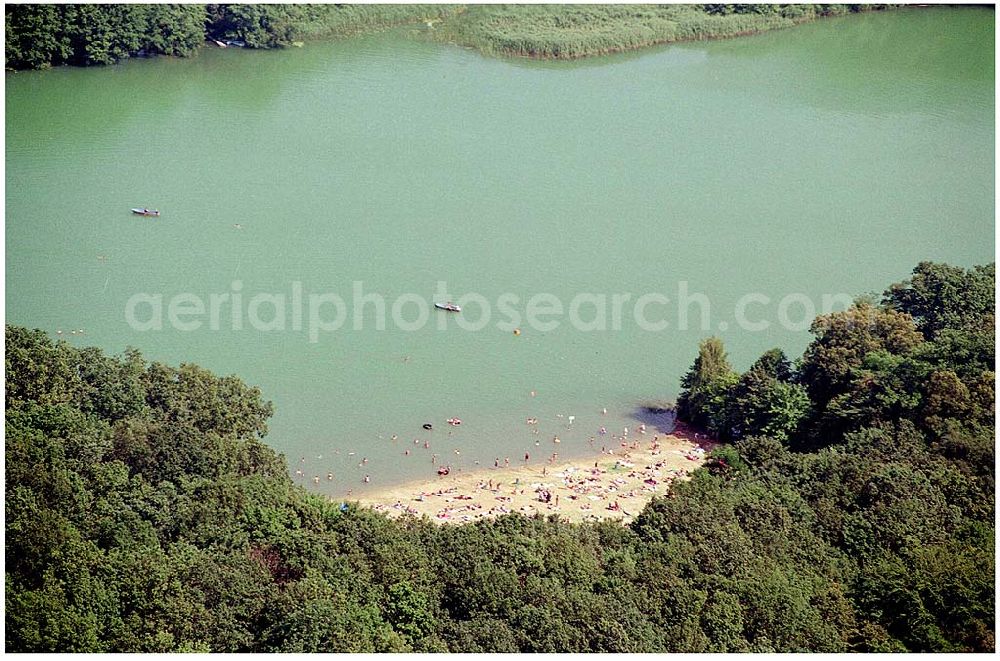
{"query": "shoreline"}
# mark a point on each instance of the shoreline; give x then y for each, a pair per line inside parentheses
(495, 43)
(615, 484)
(533, 47)
(502, 53)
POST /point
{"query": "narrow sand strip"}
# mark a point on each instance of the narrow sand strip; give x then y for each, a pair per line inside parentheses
(616, 484)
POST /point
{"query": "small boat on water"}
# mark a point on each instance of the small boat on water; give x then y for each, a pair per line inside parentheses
(146, 212)
(449, 307)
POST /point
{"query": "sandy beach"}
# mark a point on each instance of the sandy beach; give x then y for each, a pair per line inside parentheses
(615, 484)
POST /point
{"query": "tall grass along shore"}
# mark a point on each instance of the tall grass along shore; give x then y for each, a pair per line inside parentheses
(573, 31)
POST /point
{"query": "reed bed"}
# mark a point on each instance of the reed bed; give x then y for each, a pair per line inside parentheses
(573, 31)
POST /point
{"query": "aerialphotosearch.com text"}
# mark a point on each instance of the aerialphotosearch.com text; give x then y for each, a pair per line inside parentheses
(319, 313)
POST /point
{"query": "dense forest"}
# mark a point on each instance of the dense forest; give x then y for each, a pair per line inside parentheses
(853, 510)
(40, 36)
(44, 35)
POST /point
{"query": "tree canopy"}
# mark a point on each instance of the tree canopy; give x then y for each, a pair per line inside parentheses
(43, 35)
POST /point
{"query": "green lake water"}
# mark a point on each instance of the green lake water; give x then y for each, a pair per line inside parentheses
(829, 158)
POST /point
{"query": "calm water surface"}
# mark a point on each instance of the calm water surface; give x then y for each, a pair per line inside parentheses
(823, 159)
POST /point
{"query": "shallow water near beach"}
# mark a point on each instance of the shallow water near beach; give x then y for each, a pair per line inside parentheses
(829, 158)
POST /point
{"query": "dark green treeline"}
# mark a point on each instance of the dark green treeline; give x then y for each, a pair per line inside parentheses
(40, 36)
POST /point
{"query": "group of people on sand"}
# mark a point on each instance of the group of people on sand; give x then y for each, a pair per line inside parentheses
(638, 472)
(581, 487)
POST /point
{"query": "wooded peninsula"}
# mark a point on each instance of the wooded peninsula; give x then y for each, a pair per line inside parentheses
(851, 508)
